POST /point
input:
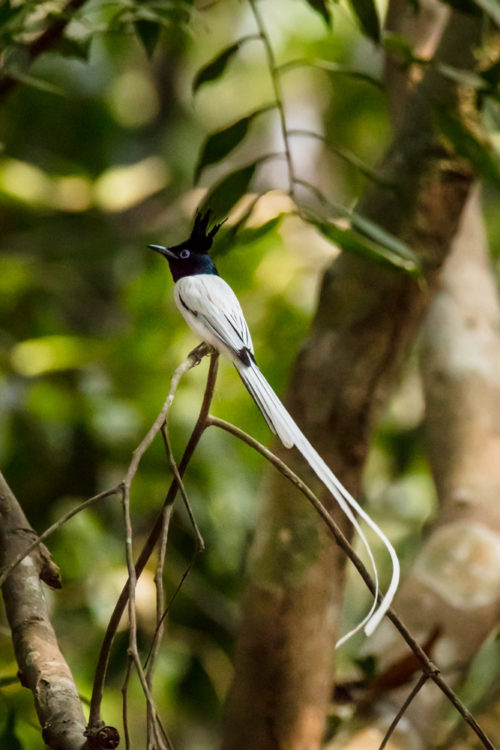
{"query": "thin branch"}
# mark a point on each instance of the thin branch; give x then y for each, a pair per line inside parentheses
(276, 84)
(200, 543)
(103, 659)
(343, 153)
(133, 650)
(429, 668)
(42, 667)
(55, 527)
(413, 693)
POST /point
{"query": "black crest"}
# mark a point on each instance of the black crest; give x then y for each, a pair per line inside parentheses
(201, 238)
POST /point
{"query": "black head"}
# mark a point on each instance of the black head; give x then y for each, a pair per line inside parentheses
(191, 257)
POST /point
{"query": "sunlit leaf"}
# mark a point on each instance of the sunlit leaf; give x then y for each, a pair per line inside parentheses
(226, 193)
(353, 242)
(336, 68)
(366, 13)
(215, 68)
(221, 143)
(321, 7)
(468, 144)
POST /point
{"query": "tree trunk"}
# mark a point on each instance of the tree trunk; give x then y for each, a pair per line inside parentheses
(367, 317)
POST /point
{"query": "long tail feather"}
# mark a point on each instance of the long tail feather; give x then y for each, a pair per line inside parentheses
(281, 423)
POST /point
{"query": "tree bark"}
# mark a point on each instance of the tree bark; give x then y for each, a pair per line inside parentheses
(42, 667)
(367, 317)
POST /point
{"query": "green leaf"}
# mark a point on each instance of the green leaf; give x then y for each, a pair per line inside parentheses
(400, 48)
(12, 679)
(366, 13)
(381, 236)
(78, 49)
(215, 68)
(235, 235)
(321, 7)
(492, 74)
(36, 83)
(337, 69)
(148, 33)
(468, 144)
(222, 142)
(9, 13)
(226, 193)
(9, 737)
(470, 7)
(356, 243)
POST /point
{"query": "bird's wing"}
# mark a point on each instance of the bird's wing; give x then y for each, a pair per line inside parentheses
(211, 307)
(212, 310)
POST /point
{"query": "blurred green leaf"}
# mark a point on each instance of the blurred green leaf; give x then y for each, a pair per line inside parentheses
(492, 74)
(235, 235)
(336, 68)
(468, 144)
(462, 77)
(148, 33)
(221, 143)
(399, 47)
(226, 193)
(9, 738)
(11, 17)
(12, 679)
(37, 83)
(321, 7)
(356, 243)
(366, 13)
(216, 67)
(380, 235)
(471, 7)
(77, 48)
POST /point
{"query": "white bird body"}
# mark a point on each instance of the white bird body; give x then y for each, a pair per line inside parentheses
(212, 311)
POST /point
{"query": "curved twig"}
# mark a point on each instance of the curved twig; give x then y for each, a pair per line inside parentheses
(430, 670)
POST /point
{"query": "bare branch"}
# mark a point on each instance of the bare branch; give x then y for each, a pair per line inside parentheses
(102, 664)
(42, 667)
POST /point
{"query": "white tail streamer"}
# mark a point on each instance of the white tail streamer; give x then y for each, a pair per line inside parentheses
(280, 421)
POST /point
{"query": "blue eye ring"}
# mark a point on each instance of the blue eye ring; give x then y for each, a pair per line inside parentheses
(184, 254)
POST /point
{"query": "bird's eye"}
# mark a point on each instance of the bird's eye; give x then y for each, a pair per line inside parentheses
(184, 254)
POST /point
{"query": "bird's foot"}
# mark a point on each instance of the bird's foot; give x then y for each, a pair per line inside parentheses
(200, 351)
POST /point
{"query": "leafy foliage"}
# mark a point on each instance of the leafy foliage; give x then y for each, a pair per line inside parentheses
(367, 16)
(89, 335)
(216, 67)
(468, 144)
(226, 193)
(321, 7)
(218, 145)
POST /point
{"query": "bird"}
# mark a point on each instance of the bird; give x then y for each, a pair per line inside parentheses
(213, 312)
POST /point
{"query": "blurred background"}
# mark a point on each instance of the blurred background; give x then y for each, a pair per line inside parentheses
(99, 146)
